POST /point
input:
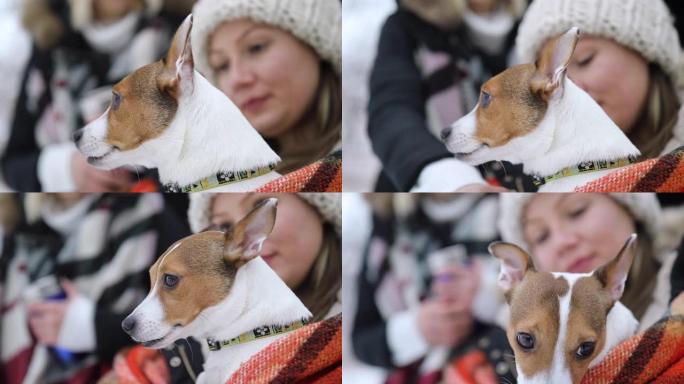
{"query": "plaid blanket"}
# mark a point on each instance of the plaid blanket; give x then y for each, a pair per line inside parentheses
(312, 354)
(324, 175)
(653, 356)
(662, 174)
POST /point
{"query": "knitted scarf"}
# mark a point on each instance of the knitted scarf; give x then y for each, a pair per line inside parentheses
(653, 356)
(662, 174)
(324, 175)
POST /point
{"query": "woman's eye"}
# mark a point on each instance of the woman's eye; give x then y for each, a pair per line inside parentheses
(256, 48)
(577, 212)
(485, 99)
(541, 237)
(170, 281)
(585, 61)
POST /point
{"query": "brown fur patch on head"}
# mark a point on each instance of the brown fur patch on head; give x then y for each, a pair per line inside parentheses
(513, 111)
(204, 277)
(144, 111)
(589, 307)
(535, 310)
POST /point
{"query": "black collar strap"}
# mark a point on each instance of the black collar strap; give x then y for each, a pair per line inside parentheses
(218, 179)
(584, 167)
(256, 333)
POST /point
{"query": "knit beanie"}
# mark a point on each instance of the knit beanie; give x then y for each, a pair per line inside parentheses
(316, 22)
(82, 11)
(644, 207)
(645, 26)
(328, 205)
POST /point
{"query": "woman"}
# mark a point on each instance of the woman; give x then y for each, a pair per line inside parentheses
(580, 232)
(304, 248)
(279, 62)
(627, 60)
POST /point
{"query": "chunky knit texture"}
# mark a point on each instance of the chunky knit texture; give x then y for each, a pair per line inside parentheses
(316, 22)
(645, 26)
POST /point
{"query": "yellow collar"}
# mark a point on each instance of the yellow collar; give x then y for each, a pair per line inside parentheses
(220, 178)
(584, 167)
(256, 333)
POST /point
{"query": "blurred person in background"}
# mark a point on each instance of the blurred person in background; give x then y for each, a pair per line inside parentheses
(432, 58)
(73, 267)
(80, 49)
(427, 298)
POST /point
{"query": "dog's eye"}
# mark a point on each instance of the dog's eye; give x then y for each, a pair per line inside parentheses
(585, 350)
(170, 281)
(525, 340)
(486, 98)
(116, 100)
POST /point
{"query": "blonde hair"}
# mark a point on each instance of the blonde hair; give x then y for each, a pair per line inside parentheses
(655, 126)
(322, 284)
(324, 118)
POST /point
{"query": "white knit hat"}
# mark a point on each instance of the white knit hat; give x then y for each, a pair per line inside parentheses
(645, 26)
(82, 11)
(328, 205)
(644, 207)
(316, 22)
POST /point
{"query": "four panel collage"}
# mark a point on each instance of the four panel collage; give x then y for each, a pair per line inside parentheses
(175, 206)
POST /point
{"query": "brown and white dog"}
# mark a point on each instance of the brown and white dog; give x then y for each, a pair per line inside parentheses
(214, 286)
(535, 115)
(561, 324)
(166, 115)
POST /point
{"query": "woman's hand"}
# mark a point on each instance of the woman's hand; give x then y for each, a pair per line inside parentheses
(45, 317)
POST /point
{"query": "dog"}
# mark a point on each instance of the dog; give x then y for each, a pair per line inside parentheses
(561, 324)
(166, 115)
(214, 286)
(535, 115)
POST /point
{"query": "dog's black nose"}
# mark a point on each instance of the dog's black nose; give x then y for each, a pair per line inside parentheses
(128, 324)
(77, 135)
(445, 133)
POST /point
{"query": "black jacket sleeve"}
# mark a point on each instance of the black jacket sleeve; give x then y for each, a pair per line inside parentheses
(20, 159)
(369, 333)
(396, 112)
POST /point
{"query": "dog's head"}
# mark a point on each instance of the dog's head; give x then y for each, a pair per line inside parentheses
(195, 274)
(511, 105)
(561, 324)
(143, 106)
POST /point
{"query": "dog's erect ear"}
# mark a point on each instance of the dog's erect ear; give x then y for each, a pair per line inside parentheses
(244, 242)
(614, 274)
(514, 264)
(177, 77)
(553, 63)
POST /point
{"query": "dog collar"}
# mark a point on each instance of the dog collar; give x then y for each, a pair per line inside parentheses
(219, 179)
(256, 333)
(584, 167)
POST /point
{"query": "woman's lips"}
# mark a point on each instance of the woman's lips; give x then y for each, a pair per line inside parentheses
(583, 265)
(254, 104)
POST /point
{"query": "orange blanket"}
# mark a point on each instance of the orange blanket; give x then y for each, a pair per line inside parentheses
(325, 175)
(663, 174)
(653, 356)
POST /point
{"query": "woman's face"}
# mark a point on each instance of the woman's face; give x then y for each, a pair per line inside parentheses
(267, 72)
(616, 77)
(576, 232)
(297, 236)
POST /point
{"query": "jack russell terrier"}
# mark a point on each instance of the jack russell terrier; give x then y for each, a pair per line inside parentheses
(166, 115)
(535, 115)
(214, 286)
(561, 324)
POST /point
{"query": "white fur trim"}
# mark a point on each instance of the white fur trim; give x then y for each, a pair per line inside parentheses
(54, 168)
(78, 327)
(404, 339)
(446, 175)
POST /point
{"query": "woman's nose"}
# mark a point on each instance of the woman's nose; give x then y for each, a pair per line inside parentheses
(240, 75)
